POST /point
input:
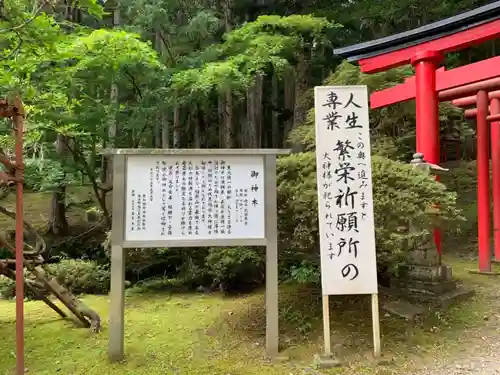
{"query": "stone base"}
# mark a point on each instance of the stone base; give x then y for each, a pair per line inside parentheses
(280, 358)
(404, 309)
(460, 294)
(425, 287)
(429, 272)
(485, 273)
(382, 360)
(323, 361)
(413, 300)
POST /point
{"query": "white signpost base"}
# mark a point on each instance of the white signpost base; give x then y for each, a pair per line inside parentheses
(327, 360)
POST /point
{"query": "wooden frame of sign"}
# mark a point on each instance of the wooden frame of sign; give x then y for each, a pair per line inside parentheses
(192, 198)
(345, 201)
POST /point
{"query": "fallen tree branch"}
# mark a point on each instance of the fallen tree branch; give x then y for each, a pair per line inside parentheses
(41, 246)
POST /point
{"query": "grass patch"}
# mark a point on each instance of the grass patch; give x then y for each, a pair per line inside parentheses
(37, 207)
(211, 334)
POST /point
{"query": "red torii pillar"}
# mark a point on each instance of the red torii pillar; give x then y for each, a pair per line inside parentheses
(424, 88)
(494, 118)
(451, 85)
(483, 170)
(427, 110)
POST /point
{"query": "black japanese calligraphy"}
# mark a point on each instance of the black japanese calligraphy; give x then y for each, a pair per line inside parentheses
(352, 121)
(352, 246)
(133, 224)
(351, 101)
(331, 120)
(343, 149)
(348, 269)
(332, 100)
(195, 198)
(347, 222)
(345, 198)
(344, 171)
(163, 178)
(229, 197)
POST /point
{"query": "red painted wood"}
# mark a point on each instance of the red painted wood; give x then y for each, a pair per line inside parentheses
(483, 182)
(471, 100)
(492, 84)
(445, 79)
(495, 171)
(427, 127)
(450, 43)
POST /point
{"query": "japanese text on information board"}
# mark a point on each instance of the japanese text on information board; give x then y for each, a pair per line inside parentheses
(346, 222)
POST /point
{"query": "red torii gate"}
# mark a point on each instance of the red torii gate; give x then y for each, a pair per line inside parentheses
(494, 119)
(425, 48)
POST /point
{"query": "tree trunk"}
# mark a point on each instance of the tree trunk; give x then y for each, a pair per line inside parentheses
(162, 134)
(301, 87)
(220, 112)
(200, 127)
(229, 133)
(254, 113)
(165, 132)
(112, 124)
(275, 130)
(58, 224)
(289, 105)
(177, 127)
(229, 130)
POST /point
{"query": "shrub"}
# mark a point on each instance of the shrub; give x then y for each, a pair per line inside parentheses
(45, 174)
(81, 276)
(399, 191)
(158, 285)
(236, 268)
(7, 287)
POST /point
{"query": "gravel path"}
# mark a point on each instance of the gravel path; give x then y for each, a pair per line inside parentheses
(487, 364)
(480, 354)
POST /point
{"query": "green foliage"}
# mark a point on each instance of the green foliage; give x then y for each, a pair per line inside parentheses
(392, 126)
(269, 42)
(306, 272)
(46, 174)
(7, 287)
(78, 78)
(236, 267)
(158, 284)
(400, 193)
(79, 276)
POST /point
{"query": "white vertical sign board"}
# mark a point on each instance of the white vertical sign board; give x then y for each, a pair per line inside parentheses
(345, 198)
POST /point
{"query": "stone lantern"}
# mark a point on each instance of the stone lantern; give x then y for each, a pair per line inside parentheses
(426, 279)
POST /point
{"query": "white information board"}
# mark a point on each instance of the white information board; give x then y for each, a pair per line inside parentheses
(170, 197)
(345, 198)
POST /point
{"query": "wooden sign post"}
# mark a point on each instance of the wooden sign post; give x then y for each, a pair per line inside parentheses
(192, 198)
(346, 221)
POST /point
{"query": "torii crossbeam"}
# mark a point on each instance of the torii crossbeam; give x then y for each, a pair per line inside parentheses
(425, 48)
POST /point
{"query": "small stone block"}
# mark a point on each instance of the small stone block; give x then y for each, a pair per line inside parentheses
(280, 358)
(382, 360)
(403, 309)
(326, 361)
(495, 261)
(485, 273)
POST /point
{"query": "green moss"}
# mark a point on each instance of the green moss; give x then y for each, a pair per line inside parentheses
(209, 334)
